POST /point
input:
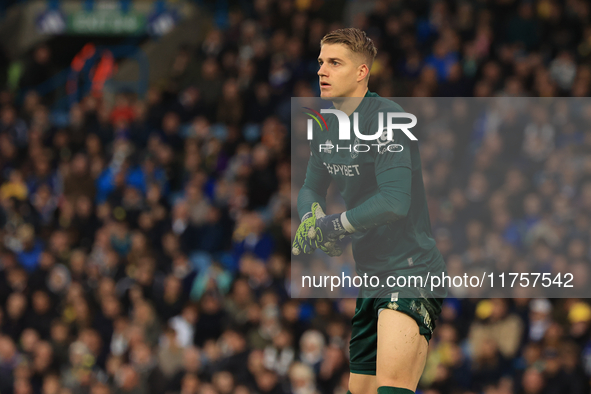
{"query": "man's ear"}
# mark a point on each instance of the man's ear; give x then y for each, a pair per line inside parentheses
(362, 72)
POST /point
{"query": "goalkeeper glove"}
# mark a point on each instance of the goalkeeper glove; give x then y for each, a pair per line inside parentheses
(330, 229)
(303, 243)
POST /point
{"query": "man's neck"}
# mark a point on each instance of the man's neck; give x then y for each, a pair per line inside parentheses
(350, 103)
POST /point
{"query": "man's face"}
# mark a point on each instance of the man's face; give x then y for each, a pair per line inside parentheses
(340, 71)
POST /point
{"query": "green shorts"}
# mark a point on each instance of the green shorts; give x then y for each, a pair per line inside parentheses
(364, 334)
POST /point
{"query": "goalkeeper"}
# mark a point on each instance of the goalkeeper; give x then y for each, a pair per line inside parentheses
(386, 217)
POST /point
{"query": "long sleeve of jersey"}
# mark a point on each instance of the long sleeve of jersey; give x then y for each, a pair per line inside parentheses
(315, 186)
(394, 179)
(390, 204)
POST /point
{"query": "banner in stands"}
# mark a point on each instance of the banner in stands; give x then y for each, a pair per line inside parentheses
(106, 22)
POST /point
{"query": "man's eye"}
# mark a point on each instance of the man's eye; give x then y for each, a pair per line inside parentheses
(335, 63)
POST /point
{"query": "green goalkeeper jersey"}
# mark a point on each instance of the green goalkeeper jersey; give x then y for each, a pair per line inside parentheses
(381, 245)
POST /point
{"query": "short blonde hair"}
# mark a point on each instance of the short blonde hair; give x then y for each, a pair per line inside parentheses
(354, 39)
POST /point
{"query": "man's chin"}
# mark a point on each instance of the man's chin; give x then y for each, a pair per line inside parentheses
(327, 95)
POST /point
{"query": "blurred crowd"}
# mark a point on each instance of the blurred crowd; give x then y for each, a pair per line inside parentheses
(145, 240)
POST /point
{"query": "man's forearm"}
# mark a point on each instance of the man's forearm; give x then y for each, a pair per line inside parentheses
(390, 204)
(307, 197)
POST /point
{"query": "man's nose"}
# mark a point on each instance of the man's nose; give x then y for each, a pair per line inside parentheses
(321, 70)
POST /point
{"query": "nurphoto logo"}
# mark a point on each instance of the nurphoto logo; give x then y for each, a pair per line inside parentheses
(383, 136)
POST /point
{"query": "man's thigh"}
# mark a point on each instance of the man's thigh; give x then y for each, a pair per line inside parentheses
(402, 351)
(404, 317)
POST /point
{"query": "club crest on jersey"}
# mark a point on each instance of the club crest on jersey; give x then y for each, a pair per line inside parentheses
(385, 143)
(327, 147)
(355, 153)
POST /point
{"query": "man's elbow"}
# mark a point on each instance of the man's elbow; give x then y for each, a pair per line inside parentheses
(396, 214)
(397, 205)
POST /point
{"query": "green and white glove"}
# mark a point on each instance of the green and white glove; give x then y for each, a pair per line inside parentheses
(304, 243)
